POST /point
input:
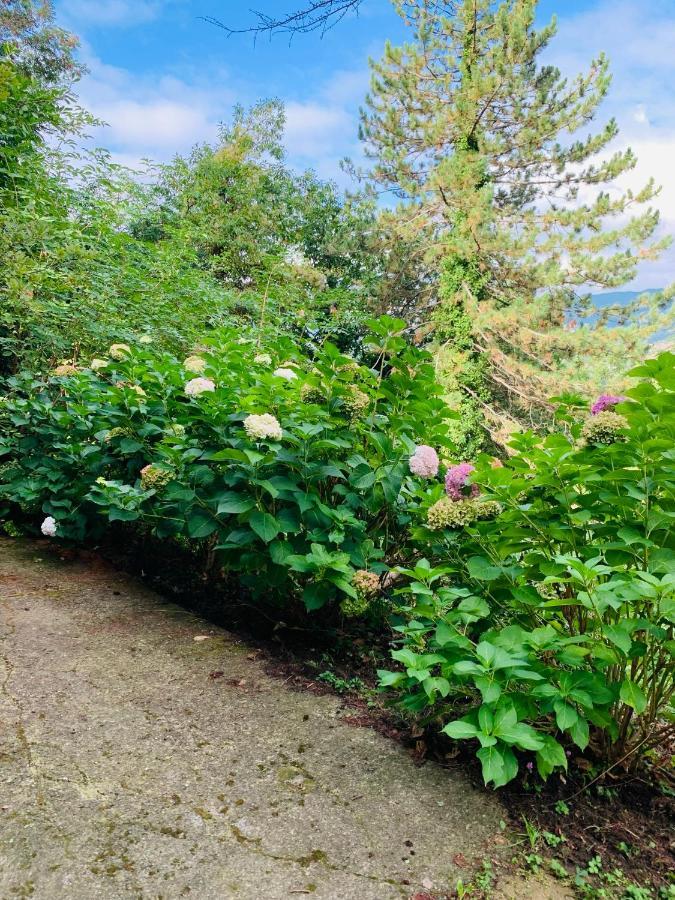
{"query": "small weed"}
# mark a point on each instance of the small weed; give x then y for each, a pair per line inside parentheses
(342, 685)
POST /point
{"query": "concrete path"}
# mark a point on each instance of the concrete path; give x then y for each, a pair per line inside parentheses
(128, 771)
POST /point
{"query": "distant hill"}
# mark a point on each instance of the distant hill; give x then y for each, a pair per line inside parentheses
(660, 341)
(611, 298)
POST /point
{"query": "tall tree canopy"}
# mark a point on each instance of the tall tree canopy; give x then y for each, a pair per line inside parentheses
(487, 150)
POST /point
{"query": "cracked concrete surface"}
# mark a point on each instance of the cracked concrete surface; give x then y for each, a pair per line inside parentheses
(126, 771)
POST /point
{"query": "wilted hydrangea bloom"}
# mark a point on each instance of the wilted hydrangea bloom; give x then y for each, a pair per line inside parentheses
(352, 607)
(155, 477)
(49, 527)
(456, 482)
(136, 388)
(424, 462)
(194, 364)
(263, 359)
(113, 433)
(604, 427)
(198, 386)
(605, 401)
(310, 393)
(65, 369)
(367, 583)
(97, 364)
(119, 351)
(263, 427)
(288, 374)
(356, 402)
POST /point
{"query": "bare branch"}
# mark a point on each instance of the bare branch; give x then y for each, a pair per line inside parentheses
(317, 15)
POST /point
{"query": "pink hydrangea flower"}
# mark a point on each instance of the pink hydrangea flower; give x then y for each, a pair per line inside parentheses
(456, 486)
(424, 462)
(605, 401)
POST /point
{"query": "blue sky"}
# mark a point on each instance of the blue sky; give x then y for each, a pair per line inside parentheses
(162, 78)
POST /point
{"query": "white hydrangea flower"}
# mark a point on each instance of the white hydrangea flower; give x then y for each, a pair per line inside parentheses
(119, 351)
(97, 364)
(288, 374)
(263, 359)
(198, 386)
(194, 364)
(49, 527)
(145, 339)
(262, 427)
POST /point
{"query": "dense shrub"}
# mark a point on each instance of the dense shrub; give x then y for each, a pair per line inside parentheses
(551, 624)
(295, 470)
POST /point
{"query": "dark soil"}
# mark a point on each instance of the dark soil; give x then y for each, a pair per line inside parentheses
(626, 820)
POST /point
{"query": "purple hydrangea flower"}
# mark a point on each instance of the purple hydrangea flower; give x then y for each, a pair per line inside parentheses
(456, 486)
(424, 462)
(605, 401)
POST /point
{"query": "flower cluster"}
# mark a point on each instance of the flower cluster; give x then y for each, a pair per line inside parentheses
(198, 386)
(367, 583)
(353, 607)
(356, 402)
(65, 369)
(605, 401)
(113, 433)
(287, 374)
(264, 427)
(424, 462)
(310, 393)
(263, 359)
(49, 527)
(194, 364)
(119, 351)
(136, 388)
(155, 477)
(456, 482)
(97, 364)
(604, 427)
(447, 513)
(175, 430)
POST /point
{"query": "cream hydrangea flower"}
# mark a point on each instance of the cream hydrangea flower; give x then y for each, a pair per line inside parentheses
(195, 364)
(283, 372)
(145, 339)
(263, 359)
(198, 386)
(263, 427)
(49, 527)
(119, 351)
(96, 364)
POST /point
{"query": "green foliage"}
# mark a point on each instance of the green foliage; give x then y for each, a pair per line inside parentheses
(293, 495)
(487, 150)
(556, 617)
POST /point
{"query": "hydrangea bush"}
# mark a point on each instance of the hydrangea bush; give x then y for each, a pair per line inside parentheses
(545, 623)
(294, 469)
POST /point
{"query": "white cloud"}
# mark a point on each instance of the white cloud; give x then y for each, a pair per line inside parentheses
(109, 12)
(150, 116)
(313, 129)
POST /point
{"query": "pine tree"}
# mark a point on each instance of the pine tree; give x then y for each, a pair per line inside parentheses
(482, 145)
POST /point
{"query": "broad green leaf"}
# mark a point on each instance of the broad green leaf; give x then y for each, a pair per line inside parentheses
(632, 695)
(264, 525)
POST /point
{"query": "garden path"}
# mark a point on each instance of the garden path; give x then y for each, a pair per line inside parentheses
(130, 767)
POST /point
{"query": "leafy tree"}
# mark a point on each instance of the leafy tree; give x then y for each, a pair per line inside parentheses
(481, 143)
